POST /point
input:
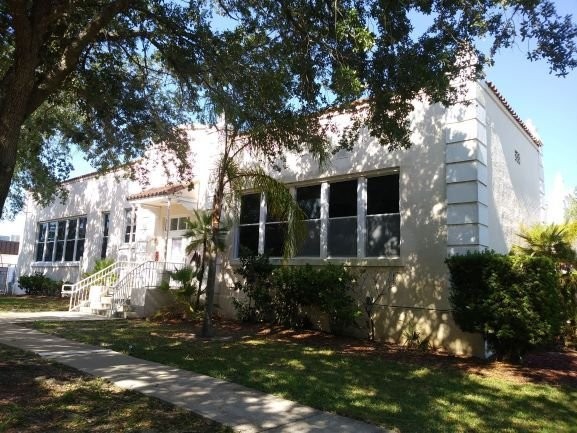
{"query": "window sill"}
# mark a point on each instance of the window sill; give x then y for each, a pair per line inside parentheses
(55, 264)
(315, 261)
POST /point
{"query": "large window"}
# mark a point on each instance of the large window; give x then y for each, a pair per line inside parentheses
(351, 218)
(61, 240)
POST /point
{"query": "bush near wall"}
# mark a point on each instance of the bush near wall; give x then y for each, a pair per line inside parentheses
(514, 301)
(286, 294)
(40, 285)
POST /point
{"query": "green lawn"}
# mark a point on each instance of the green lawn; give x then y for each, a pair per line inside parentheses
(407, 397)
(41, 396)
(33, 303)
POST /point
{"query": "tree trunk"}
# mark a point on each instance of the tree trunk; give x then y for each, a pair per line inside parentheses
(207, 330)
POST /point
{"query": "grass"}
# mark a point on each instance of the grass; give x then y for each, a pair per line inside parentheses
(41, 396)
(407, 397)
(33, 303)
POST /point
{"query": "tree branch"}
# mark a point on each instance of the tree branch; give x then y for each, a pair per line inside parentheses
(72, 52)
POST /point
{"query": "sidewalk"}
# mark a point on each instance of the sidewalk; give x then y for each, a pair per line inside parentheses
(244, 409)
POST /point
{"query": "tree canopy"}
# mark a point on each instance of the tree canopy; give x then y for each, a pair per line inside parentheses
(110, 77)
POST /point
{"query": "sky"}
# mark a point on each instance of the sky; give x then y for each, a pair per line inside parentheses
(543, 101)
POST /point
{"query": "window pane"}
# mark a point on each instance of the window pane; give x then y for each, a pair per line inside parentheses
(71, 229)
(106, 224)
(42, 232)
(61, 230)
(383, 235)
(311, 246)
(104, 248)
(248, 240)
(343, 199)
(39, 251)
(182, 223)
(79, 250)
(127, 234)
(51, 231)
(309, 200)
(81, 228)
(59, 251)
(250, 209)
(383, 194)
(69, 251)
(342, 237)
(173, 224)
(48, 251)
(274, 237)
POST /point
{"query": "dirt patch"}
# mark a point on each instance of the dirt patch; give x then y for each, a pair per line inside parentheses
(555, 368)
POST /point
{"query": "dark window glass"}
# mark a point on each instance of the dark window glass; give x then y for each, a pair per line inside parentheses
(51, 231)
(48, 251)
(39, 251)
(59, 251)
(383, 235)
(250, 209)
(309, 200)
(61, 231)
(81, 228)
(71, 229)
(106, 224)
(105, 229)
(42, 232)
(274, 239)
(383, 195)
(342, 237)
(69, 250)
(79, 249)
(343, 199)
(248, 240)
(311, 245)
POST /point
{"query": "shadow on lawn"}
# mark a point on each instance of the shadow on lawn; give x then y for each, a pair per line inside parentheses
(406, 396)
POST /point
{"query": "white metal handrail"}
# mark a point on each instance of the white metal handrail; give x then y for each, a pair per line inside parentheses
(145, 275)
(107, 277)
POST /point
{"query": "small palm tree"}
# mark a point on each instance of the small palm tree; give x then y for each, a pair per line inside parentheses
(552, 240)
(200, 234)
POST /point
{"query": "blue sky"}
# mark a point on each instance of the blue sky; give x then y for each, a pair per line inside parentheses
(546, 101)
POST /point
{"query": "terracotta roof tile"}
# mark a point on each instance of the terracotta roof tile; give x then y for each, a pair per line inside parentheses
(506, 104)
(156, 192)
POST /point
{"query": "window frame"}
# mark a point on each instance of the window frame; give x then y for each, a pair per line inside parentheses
(362, 216)
(43, 254)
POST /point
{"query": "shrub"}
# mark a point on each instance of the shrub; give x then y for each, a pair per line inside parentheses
(512, 300)
(282, 295)
(256, 272)
(40, 285)
(99, 265)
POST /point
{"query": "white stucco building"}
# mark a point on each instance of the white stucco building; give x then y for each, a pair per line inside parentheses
(473, 174)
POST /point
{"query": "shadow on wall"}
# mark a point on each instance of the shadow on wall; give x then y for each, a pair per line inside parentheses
(420, 297)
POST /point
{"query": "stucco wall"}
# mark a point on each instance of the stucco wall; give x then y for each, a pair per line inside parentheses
(420, 296)
(516, 188)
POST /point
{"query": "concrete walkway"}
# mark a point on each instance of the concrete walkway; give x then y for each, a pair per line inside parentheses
(244, 409)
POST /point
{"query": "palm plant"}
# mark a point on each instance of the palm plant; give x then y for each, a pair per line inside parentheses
(552, 240)
(199, 234)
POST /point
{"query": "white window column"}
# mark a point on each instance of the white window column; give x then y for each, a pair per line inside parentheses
(261, 224)
(324, 219)
(361, 216)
